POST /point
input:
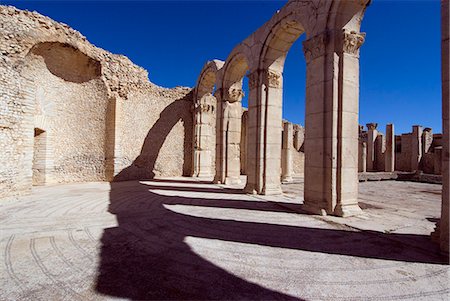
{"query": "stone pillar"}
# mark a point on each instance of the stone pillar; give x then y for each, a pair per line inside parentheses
(362, 156)
(427, 140)
(203, 136)
(389, 154)
(372, 134)
(219, 176)
(444, 222)
(437, 160)
(264, 132)
(243, 145)
(299, 137)
(287, 164)
(331, 138)
(416, 147)
(380, 148)
(228, 131)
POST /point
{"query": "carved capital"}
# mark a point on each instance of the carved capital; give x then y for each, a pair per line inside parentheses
(351, 41)
(234, 94)
(314, 47)
(372, 126)
(273, 79)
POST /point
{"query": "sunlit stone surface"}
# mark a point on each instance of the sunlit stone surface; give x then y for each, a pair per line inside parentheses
(185, 239)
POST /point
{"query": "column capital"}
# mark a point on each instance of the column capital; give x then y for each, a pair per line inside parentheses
(273, 79)
(270, 78)
(372, 126)
(234, 94)
(352, 41)
(315, 47)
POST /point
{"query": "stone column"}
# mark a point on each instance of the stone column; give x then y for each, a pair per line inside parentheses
(427, 140)
(389, 154)
(219, 176)
(444, 222)
(437, 164)
(416, 147)
(233, 115)
(362, 156)
(299, 137)
(331, 138)
(380, 148)
(264, 132)
(287, 164)
(372, 134)
(228, 136)
(203, 136)
(243, 145)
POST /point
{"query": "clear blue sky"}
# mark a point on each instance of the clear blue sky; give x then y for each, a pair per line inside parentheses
(400, 60)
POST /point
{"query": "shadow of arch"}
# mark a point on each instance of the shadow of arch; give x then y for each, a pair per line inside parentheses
(148, 256)
(143, 167)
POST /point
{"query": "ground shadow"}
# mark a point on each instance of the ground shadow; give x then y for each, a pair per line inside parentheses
(146, 256)
(143, 167)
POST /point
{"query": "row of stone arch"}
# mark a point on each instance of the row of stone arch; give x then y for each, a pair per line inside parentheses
(332, 55)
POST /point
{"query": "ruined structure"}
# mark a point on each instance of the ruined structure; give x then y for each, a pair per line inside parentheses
(72, 112)
(418, 151)
(332, 55)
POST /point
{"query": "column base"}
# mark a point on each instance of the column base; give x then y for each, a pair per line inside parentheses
(203, 175)
(250, 189)
(314, 209)
(217, 180)
(286, 179)
(344, 210)
(272, 191)
(232, 181)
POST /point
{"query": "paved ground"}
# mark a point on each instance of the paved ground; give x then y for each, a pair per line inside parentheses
(180, 239)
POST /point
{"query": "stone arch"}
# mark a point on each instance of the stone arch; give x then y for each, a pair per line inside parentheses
(205, 105)
(276, 38)
(331, 52)
(207, 79)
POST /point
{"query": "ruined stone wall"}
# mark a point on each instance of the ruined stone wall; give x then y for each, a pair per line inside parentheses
(73, 115)
(16, 124)
(420, 150)
(154, 136)
(95, 115)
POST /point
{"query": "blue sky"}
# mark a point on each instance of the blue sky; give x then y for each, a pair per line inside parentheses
(400, 60)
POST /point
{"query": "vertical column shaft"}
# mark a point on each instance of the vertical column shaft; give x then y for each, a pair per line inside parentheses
(444, 222)
(331, 142)
(287, 164)
(372, 134)
(389, 154)
(416, 147)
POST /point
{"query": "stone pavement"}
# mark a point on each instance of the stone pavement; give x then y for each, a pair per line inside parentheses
(187, 239)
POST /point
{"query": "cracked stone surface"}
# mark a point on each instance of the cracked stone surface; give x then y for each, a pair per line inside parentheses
(182, 238)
